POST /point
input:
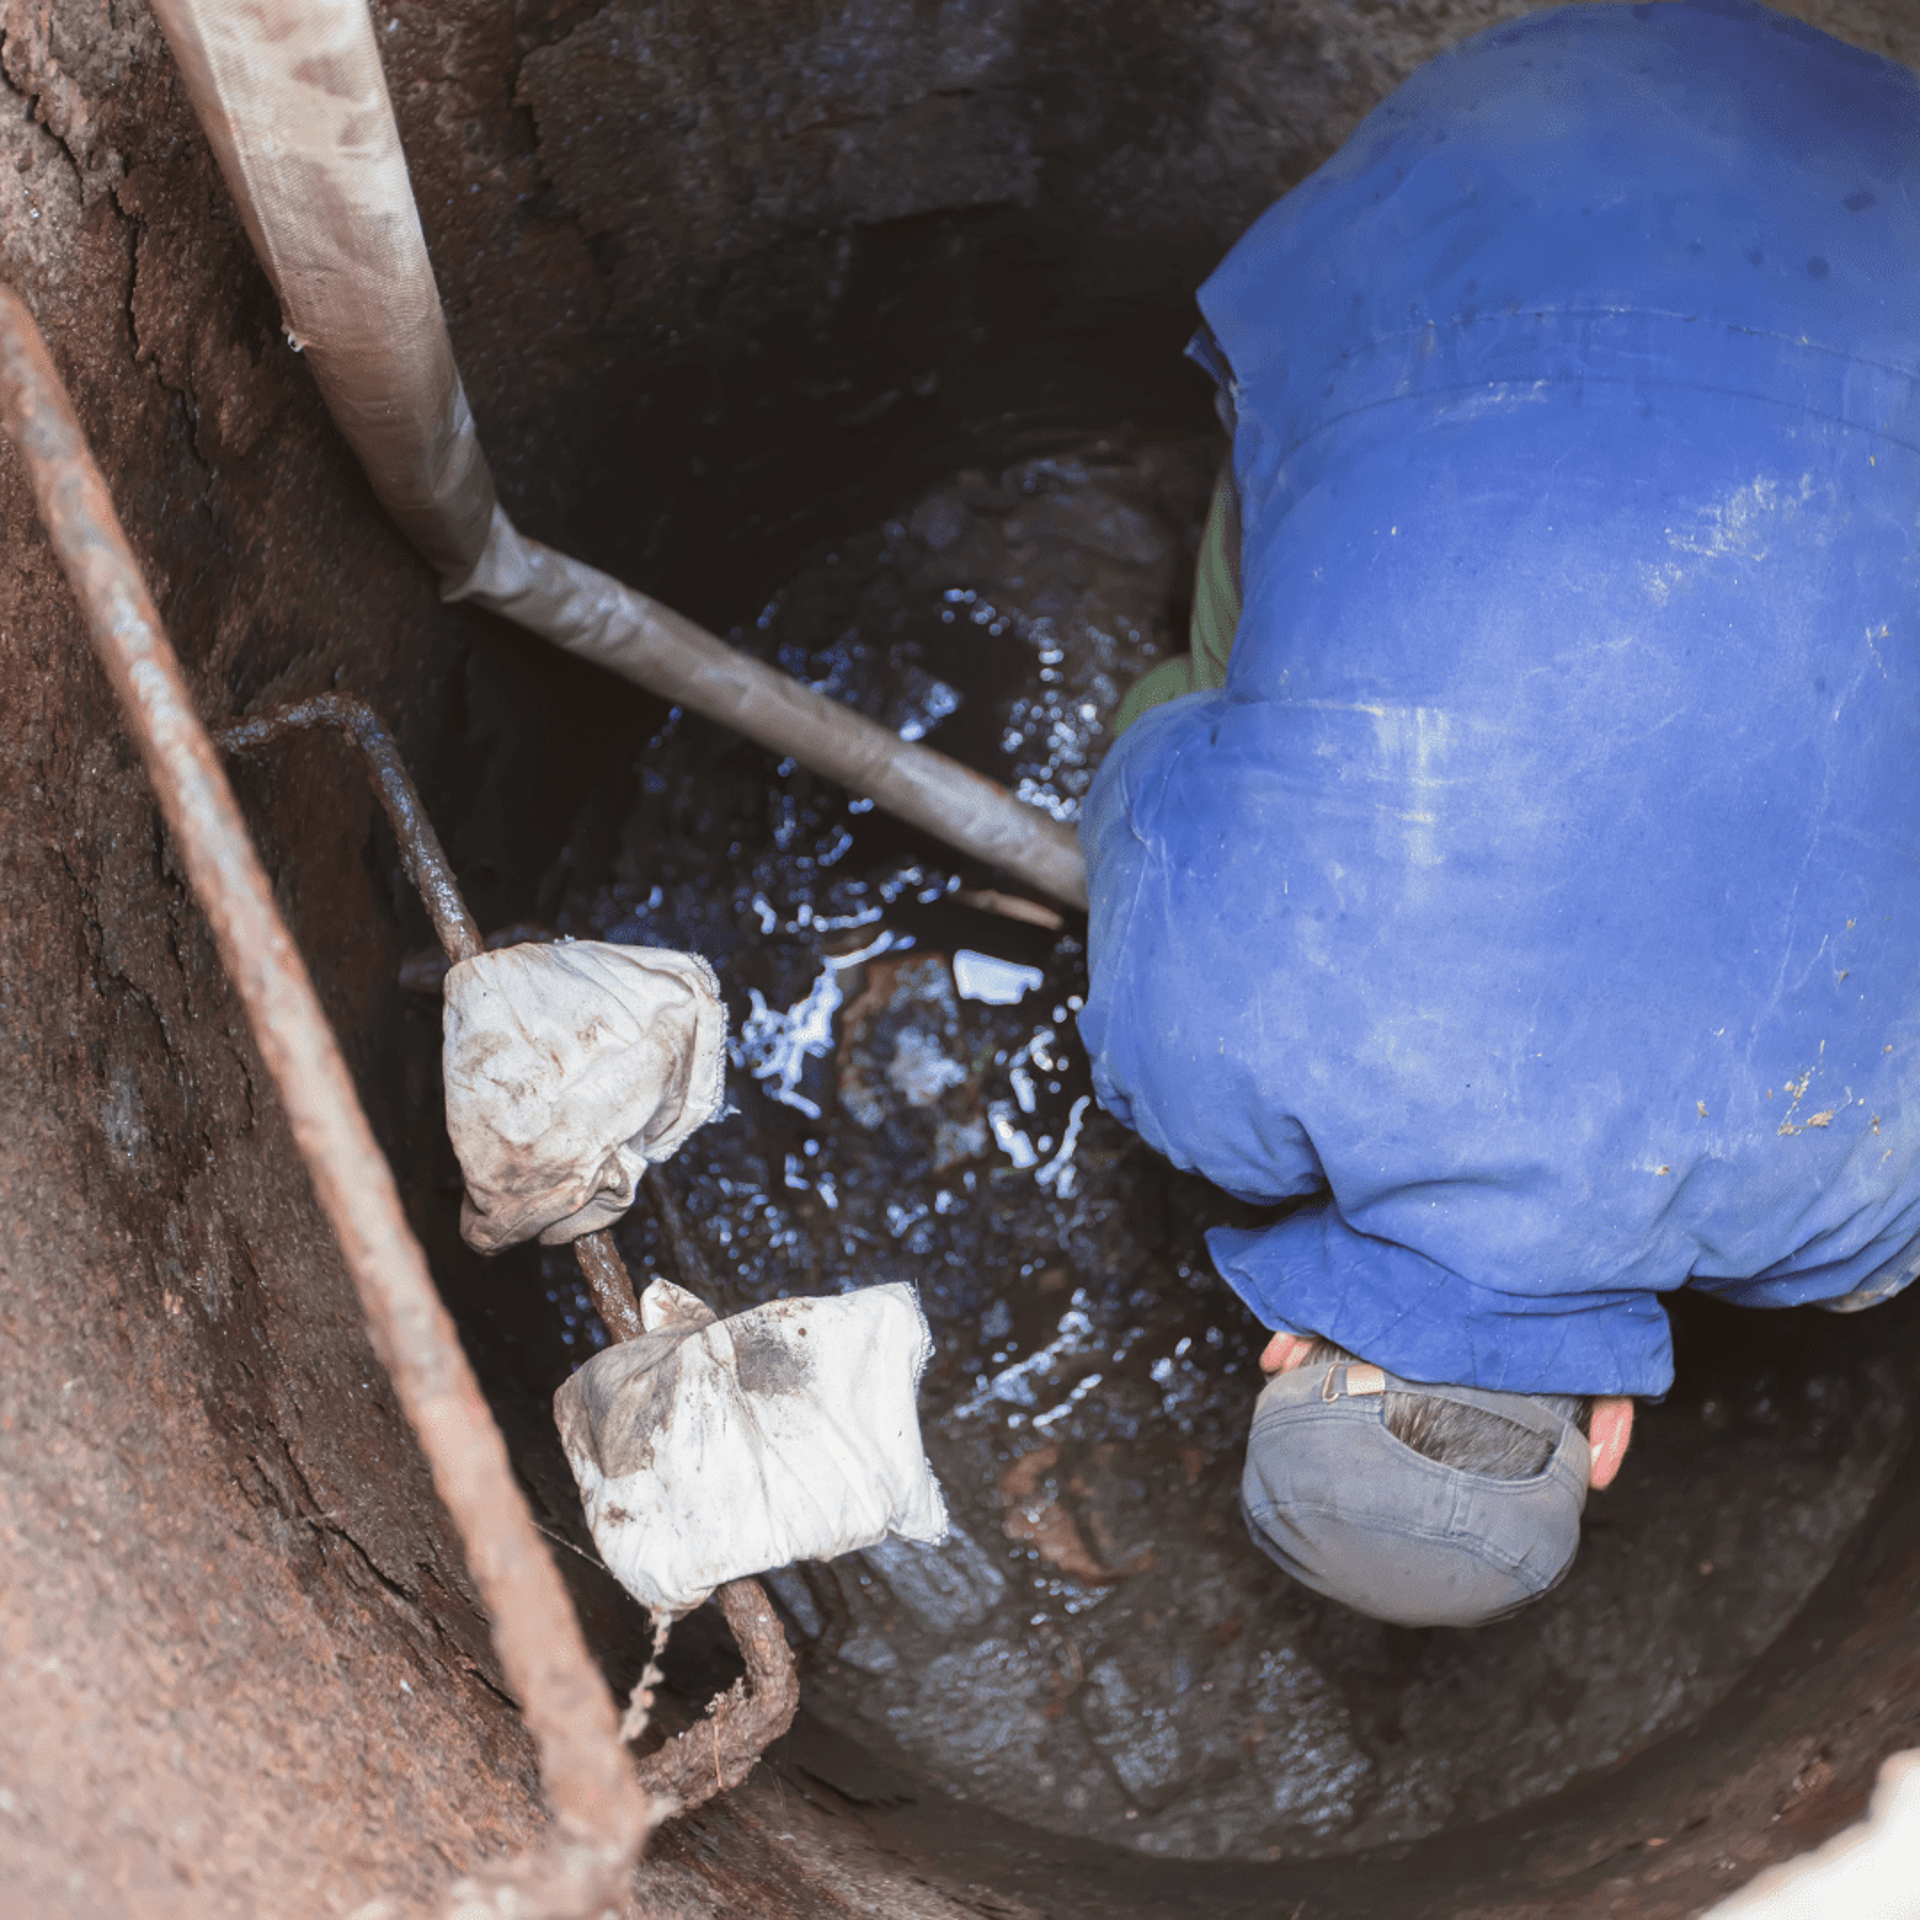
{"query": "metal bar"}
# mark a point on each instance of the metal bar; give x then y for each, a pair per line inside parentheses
(591, 614)
(715, 1755)
(601, 1813)
(420, 848)
(610, 1284)
(432, 875)
(711, 1756)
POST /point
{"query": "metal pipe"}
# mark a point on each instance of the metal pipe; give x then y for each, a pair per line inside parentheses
(294, 103)
(591, 614)
(600, 1810)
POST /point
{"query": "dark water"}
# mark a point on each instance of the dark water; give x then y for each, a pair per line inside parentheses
(1099, 1649)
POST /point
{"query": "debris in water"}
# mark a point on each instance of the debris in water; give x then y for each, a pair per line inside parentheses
(992, 981)
(1098, 1649)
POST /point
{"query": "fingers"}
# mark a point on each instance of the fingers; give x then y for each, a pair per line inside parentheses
(1284, 1352)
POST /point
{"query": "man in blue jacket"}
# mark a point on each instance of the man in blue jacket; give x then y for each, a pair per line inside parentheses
(1533, 900)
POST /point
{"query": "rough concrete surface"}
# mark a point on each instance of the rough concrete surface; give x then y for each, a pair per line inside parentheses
(715, 277)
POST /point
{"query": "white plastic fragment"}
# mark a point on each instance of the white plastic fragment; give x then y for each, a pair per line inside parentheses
(711, 1449)
(569, 1070)
(993, 981)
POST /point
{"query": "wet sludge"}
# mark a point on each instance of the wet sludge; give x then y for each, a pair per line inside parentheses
(1099, 1649)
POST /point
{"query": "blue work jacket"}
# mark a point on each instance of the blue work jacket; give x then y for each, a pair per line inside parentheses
(1541, 896)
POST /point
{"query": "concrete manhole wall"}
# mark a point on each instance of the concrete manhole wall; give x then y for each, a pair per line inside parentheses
(721, 281)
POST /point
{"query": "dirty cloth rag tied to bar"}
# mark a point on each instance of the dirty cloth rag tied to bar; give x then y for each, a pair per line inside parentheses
(569, 1070)
(709, 1449)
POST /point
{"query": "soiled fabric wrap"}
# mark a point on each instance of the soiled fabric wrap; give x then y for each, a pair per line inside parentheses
(709, 1449)
(570, 1069)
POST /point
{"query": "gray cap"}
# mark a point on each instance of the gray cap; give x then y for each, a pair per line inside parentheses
(1334, 1498)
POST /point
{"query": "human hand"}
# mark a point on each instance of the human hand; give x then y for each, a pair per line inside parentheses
(1284, 1352)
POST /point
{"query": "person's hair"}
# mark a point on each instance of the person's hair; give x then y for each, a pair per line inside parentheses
(1469, 1438)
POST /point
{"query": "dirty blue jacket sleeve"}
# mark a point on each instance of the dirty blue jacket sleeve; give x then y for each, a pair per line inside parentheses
(1538, 905)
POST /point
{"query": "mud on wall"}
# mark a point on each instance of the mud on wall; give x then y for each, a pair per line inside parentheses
(710, 272)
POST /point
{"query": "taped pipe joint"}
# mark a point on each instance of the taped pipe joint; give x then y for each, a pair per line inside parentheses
(296, 109)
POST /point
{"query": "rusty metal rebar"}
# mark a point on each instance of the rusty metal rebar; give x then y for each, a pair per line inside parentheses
(432, 875)
(715, 1754)
(601, 1812)
(420, 848)
(719, 1752)
(610, 1284)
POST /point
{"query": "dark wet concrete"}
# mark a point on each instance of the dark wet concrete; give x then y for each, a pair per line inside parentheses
(1099, 1650)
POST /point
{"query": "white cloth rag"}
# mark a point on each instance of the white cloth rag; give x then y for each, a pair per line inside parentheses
(711, 1449)
(569, 1070)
